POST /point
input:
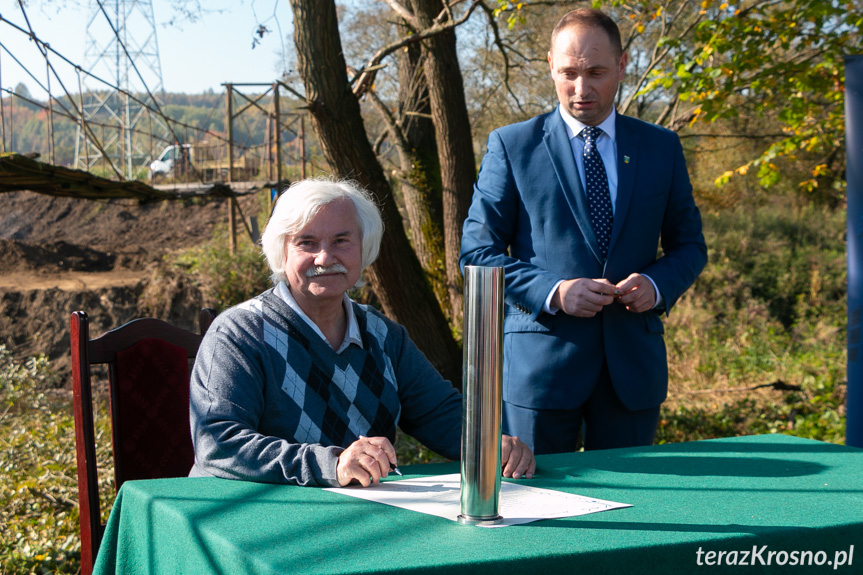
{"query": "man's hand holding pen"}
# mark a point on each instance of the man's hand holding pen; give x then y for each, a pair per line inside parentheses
(368, 459)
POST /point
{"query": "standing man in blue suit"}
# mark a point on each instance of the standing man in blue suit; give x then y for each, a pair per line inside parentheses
(575, 216)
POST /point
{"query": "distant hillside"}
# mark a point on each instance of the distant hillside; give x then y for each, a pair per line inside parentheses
(27, 128)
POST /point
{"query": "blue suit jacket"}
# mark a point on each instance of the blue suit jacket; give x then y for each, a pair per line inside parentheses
(529, 215)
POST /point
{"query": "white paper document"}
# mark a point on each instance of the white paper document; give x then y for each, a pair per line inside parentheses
(441, 495)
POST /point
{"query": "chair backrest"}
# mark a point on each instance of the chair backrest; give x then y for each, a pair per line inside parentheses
(148, 364)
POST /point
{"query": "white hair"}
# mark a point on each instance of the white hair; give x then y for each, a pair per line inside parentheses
(300, 203)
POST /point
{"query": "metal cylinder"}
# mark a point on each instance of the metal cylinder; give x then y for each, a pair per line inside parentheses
(482, 385)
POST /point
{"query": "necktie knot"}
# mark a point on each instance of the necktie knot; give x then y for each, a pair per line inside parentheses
(590, 135)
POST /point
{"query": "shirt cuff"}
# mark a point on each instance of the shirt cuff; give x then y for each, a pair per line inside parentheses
(547, 308)
(659, 301)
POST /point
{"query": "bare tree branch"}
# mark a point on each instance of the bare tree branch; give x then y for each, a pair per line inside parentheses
(739, 136)
(367, 73)
(404, 14)
(658, 54)
(396, 135)
(499, 43)
(668, 109)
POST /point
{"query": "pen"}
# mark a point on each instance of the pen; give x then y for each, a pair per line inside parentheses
(393, 468)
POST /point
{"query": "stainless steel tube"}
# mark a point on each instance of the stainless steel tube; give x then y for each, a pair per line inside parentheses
(482, 385)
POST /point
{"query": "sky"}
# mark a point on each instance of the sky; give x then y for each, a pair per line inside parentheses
(195, 56)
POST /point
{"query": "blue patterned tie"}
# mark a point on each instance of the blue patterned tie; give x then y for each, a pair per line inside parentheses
(596, 186)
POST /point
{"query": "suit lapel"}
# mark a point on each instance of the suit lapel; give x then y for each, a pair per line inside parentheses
(560, 152)
(627, 162)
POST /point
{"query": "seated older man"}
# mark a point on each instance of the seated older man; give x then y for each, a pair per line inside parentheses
(303, 385)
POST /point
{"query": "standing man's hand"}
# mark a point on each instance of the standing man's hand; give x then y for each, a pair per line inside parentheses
(516, 458)
(583, 297)
(636, 293)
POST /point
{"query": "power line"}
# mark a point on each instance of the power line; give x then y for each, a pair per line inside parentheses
(74, 110)
(117, 58)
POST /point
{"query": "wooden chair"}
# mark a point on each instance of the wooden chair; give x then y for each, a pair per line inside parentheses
(148, 363)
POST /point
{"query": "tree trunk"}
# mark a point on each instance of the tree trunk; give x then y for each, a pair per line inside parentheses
(420, 181)
(397, 277)
(454, 142)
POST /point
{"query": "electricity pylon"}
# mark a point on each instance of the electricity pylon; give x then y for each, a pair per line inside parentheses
(122, 54)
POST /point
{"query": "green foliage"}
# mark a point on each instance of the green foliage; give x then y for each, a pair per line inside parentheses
(514, 16)
(22, 386)
(815, 412)
(783, 60)
(409, 451)
(226, 279)
(38, 490)
(791, 261)
(770, 73)
(756, 346)
(768, 309)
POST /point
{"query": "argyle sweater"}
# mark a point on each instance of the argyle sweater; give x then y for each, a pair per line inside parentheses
(271, 401)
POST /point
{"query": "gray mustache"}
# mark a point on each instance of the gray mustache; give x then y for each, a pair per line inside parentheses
(321, 270)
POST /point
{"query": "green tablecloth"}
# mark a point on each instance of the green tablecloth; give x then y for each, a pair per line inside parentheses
(801, 500)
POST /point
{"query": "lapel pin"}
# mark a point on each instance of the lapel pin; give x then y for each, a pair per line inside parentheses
(625, 159)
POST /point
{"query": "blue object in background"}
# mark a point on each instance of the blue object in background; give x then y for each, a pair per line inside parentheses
(854, 179)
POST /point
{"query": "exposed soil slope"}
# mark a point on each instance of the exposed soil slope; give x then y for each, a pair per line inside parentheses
(59, 255)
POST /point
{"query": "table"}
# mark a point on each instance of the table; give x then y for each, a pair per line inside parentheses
(799, 499)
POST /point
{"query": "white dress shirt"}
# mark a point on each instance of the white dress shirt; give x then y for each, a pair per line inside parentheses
(352, 333)
(606, 145)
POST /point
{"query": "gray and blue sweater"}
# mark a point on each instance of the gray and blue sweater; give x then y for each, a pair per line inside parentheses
(272, 402)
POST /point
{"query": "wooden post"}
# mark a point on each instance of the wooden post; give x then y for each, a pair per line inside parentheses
(127, 139)
(302, 147)
(229, 125)
(2, 114)
(50, 113)
(102, 152)
(151, 155)
(277, 126)
(81, 124)
(268, 146)
(187, 158)
(12, 122)
(232, 225)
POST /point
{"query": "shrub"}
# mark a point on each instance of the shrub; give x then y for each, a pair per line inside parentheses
(225, 279)
(756, 346)
(768, 309)
(38, 492)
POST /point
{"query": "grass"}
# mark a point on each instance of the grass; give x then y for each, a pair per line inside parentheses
(38, 490)
(756, 346)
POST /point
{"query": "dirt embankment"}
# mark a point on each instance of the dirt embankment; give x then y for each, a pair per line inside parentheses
(59, 255)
